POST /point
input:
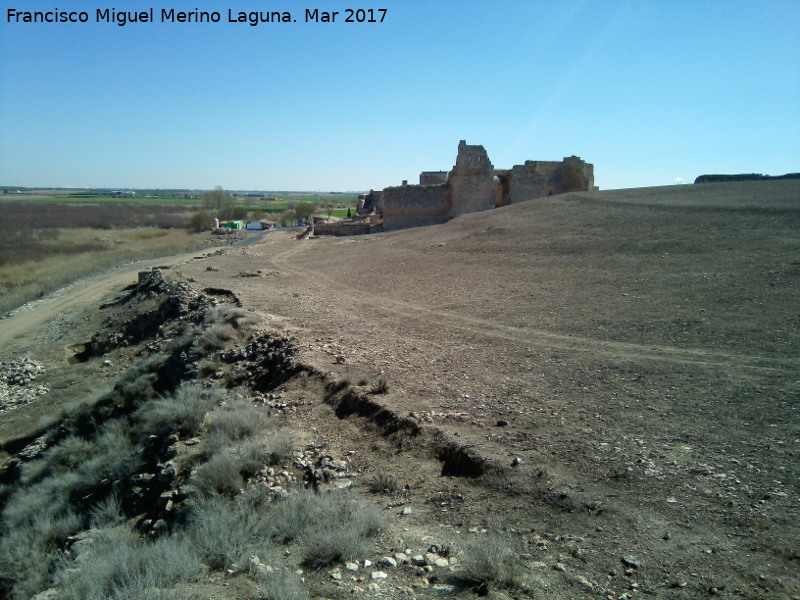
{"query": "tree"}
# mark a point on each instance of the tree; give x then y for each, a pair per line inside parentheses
(304, 210)
(201, 221)
(220, 202)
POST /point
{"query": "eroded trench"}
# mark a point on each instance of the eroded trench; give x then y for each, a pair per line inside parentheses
(177, 332)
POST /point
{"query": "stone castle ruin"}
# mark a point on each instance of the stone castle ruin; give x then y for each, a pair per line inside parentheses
(474, 185)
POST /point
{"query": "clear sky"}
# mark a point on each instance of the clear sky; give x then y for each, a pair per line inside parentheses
(648, 91)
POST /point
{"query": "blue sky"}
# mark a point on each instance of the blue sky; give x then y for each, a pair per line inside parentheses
(647, 91)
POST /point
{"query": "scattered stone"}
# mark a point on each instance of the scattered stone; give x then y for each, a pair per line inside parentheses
(584, 582)
(258, 568)
(16, 387)
(351, 566)
(631, 562)
(378, 575)
(387, 561)
(406, 511)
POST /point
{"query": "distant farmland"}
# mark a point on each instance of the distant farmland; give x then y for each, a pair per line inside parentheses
(270, 203)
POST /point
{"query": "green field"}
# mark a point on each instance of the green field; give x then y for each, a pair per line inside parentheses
(276, 203)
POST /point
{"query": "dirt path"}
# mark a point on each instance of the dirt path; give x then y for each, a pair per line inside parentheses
(285, 260)
(19, 331)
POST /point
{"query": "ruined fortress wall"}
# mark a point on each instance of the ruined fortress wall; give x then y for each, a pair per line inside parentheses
(471, 180)
(342, 228)
(576, 175)
(474, 185)
(538, 178)
(432, 177)
(534, 179)
(414, 205)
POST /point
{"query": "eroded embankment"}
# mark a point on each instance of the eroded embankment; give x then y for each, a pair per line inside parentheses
(181, 424)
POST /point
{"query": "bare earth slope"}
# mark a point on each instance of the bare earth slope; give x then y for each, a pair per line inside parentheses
(636, 351)
(612, 376)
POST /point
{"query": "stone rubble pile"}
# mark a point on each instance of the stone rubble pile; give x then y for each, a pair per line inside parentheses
(16, 383)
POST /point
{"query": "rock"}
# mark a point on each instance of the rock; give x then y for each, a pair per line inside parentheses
(406, 511)
(351, 566)
(418, 560)
(441, 562)
(258, 568)
(387, 561)
(378, 575)
(631, 562)
(401, 558)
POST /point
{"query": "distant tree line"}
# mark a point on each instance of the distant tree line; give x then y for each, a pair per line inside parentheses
(743, 177)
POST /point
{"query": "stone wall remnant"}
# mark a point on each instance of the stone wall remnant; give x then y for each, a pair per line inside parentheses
(474, 185)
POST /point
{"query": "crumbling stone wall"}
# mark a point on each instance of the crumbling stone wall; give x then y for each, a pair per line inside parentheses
(415, 205)
(432, 177)
(474, 185)
(370, 203)
(471, 180)
(338, 229)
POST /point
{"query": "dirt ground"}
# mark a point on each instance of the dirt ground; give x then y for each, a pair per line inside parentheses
(612, 377)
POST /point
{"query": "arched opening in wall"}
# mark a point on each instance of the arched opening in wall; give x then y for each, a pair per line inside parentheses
(502, 190)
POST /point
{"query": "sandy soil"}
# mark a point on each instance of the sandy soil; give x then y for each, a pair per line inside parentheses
(618, 372)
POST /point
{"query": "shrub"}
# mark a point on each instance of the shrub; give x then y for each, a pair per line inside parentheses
(200, 221)
(183, 412)
(330, 526)
(282, 585)
(117, 564)
(29, 546)
(214, 338)
(219, 475)
(489, 561)
(227, 532)
(381, 386)
(225, 314)
(115, 457)
(239, 419)
(106, 513)
(380, 482)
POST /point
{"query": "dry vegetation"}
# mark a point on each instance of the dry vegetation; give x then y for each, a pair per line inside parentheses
(44, 247)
